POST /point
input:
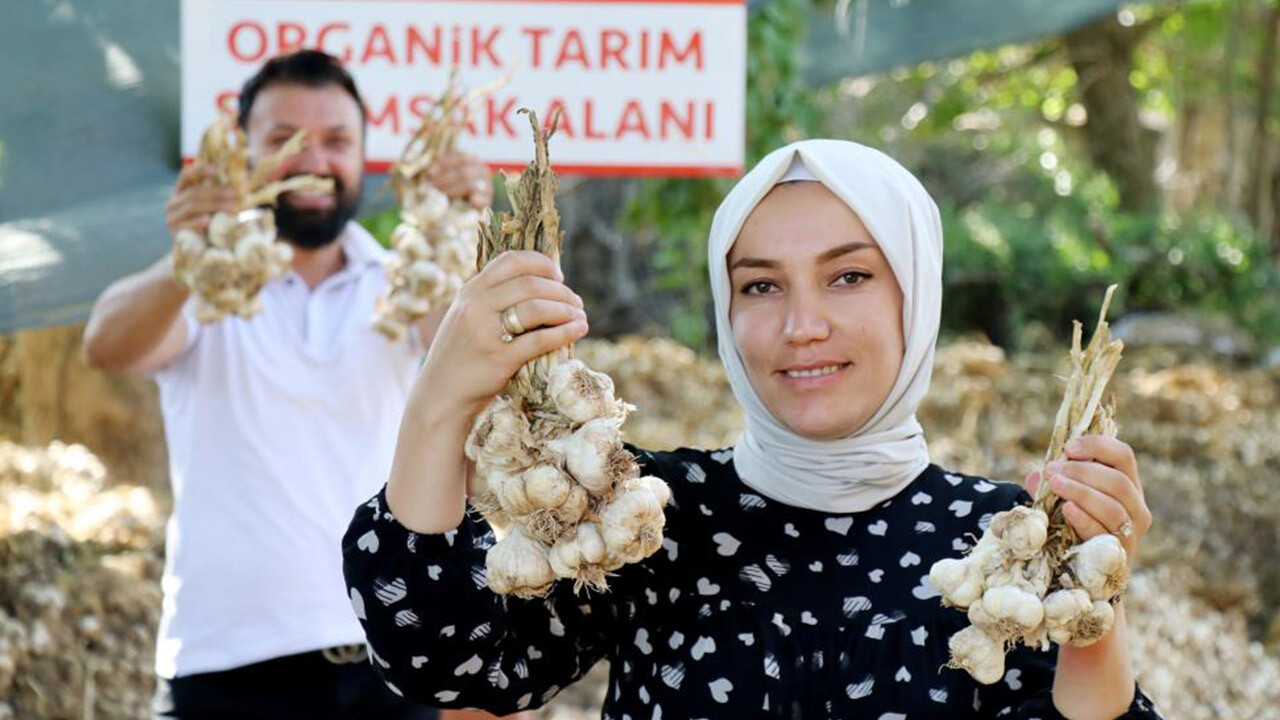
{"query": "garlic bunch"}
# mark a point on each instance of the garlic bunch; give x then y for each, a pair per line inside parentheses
(1029, 579)
(551, 472)
(227, 271)
(433, 249)
(433, 252)
(227, 267)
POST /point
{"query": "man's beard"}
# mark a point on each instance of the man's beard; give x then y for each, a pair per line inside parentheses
(312, 229)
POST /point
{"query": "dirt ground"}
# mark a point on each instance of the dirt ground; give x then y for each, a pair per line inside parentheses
(83, 499)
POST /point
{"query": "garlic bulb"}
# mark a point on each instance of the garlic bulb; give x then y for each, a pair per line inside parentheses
(632, 523)
(1010, 604)
(517, 565)
(581, 556)
(1100, 565)
(958, 580)
(594, 455)
(979, 653)
(1021, 531)
(581, 393)
(1061, 608)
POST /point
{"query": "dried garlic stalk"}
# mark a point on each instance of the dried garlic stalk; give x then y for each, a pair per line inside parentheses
(434, 246)
(1029, 579)
(227, 267)
(551, 470)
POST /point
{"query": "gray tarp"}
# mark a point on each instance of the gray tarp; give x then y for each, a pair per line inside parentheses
(89, 123)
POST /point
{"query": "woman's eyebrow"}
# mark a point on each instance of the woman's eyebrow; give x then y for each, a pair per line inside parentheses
(749, 262)
(845, 249)
(827, 256)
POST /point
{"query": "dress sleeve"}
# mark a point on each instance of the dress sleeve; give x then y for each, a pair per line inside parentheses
(439, 636)
(1026, 691)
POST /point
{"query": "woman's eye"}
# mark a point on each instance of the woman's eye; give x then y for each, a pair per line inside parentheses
(339, 143)
(852, 278)
(758, 287)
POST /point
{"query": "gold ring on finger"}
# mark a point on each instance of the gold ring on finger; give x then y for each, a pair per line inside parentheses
(511, 322)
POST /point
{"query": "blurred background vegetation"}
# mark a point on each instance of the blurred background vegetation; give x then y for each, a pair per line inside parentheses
(1138, 149)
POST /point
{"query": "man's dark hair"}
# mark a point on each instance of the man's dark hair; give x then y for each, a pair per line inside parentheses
(312, 68)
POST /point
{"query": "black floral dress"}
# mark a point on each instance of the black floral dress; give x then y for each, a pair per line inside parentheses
(752, 608)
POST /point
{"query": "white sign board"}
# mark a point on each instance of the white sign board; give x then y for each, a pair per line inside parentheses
(647, 87)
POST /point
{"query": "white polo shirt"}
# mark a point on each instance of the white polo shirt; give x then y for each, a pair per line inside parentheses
(278, 427)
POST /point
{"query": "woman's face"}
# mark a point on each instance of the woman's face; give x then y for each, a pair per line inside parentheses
(816, 312)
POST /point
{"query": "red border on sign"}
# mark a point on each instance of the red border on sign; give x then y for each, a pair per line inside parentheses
(630, 171)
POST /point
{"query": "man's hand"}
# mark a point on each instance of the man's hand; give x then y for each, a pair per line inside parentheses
(462, 177)
(193, 202)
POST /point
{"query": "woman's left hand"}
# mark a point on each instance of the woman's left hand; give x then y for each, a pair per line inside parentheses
(1101, 490)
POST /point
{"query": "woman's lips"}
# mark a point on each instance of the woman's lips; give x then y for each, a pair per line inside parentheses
(814, 375)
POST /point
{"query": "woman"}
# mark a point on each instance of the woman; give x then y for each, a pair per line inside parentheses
(793, 577)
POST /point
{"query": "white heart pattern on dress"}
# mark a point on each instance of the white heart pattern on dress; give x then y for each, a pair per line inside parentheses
(771, 666)
(782, 624)
(391, 592)
(953, 479)
(904, 675)
(642, 641)
(791, 530)
(938, 695)
(855, 605)
(368, 542)
(807, 618)
(919, 635)
(677, 639)
(875, 575)
(909, 559)
(720, 689)
(1012, 679)
(757, 577)
(921, 498)
(961, 508)
(704, 646)
(433, 571)
(925, 589)
(673, 550)
(747, 639)
(470, 667)
(673, 675)
(816, 566)
(983, 486)
(706, 587)
(694, 473)
(417, 661)
(726, 544)
(722, 456)
(856, 691)
(839, 525)
(357, 604)
(879, 527)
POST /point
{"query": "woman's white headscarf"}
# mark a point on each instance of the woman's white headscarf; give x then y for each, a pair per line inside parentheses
(879, 459)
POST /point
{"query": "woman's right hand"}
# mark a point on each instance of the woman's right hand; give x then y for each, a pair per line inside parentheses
(467, 365)
(469, 362)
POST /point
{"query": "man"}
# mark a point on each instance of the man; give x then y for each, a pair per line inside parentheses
(277, 425)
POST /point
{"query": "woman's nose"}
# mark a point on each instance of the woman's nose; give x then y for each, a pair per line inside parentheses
(806, 321)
